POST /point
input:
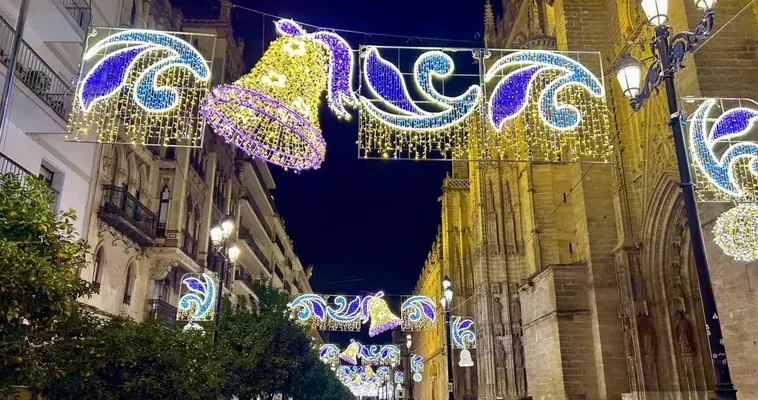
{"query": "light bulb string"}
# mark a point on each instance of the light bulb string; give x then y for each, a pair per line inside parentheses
(407, 37)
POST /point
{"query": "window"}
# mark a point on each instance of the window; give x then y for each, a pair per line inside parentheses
(163, 211)
(128, 285)
(47, 175)
(98, 269)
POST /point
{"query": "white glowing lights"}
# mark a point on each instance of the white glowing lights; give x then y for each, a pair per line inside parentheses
(736, 232)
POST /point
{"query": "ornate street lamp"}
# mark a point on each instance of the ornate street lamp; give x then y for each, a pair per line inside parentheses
(668, 56)
(407, 375)
(220, 234)
(447, 301)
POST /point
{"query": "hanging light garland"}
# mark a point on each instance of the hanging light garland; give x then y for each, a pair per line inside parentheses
(736, 232)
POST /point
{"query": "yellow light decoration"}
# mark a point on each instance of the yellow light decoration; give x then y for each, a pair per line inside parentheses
(272, 111)
(382, 319)
(736, 232)
(350, 355)
(142, 87)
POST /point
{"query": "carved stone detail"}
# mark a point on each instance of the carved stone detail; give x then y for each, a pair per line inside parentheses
(161, 268)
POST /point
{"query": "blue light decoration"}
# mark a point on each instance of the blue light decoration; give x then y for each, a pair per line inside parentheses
(309, 309)
(345, 315)
(418, 313)
(198, 299)
(399, 377)
(314, 311)
(379, 355)
(462, 333)
(384, 373)
(329, 354)
(417, 367)
(513, 91)
(152, 82)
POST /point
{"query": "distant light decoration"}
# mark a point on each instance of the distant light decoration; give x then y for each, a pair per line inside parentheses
(329, 354)
(417, 367)
(141, 87)
(272, 112)
(736, 232)
(376, 309)
(418, 313)
(197, 299)
(351, 353)
(465, 359)
(384, 373)
(462, 333)
(379, 355)
(314, 311)
(399, 378)
(545, 106)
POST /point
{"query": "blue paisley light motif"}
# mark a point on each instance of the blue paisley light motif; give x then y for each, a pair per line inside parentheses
(328, 354)
(387, 85)
(418, 313)
(462, 332)
(197, 304)
(417, 367)
(513, 91)
(370, 355)
(399, 377)
(109, 75)
(345, 313)
(310, 308)
(733, 124)
(384, 373)
(390, 354)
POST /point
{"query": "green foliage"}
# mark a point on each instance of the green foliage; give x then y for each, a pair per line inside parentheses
(39, 252)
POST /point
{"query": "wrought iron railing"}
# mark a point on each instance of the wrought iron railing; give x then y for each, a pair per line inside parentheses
(163, 312)
(8, 166)
(80, 11)
(243, 276)
(35, 73)
(117, 201)
(257, 250)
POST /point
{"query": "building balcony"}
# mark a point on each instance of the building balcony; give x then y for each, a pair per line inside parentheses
(244, 277)
(253, 254)
(57, 20)
(163, 312)
(128, 215)
(8, 166)
(253, 217)
(41, 99)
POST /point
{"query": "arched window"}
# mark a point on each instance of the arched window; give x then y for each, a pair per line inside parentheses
(129, 284)
(133, 13)
(163, 211)
(97, 274)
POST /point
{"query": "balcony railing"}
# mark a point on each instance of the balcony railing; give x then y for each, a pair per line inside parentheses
(8, 166)
(123, 211)
(243, 276)
(189, 246)
(257, 250)
(258, 213)
(35, 73)
(163, 312)
(280, 245)
(80, 11)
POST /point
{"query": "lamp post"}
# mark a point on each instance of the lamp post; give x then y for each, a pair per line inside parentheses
(407, 375)
(220, 234)
(447, 301)
(668, 56)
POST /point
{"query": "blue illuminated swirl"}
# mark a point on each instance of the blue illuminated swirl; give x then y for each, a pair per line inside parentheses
(384, 373)
(732, 124)
(390, 354)
(370, 355)
(462, 331)
(328, 353)
(512, 93)
(108, 76)
(345, 312)
(309, 307)
(419, 311)
(399, 377)
(387, 86)
(200, 298)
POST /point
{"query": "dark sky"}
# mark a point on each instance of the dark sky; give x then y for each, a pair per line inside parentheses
(365, 225)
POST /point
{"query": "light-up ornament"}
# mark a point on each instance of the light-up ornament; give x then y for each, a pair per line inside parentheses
(329, 354)
(736, 232)
(261, 113)
(462, 333)
(344, 314)
(417, 367)
(465, 359)
(379, 355)
(376, 309)
(315, 311)
(399, 379)
(418, 313)
(309, 309)
(350, 355)
(141, 87)
(199, 296)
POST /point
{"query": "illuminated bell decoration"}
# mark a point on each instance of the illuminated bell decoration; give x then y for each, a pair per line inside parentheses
(382, 319)
(736, 232)
(465, 360)
(350, 355)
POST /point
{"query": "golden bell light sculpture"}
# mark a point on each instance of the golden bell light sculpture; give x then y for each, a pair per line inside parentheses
(350, 355)
(272, 112)
(382, 319)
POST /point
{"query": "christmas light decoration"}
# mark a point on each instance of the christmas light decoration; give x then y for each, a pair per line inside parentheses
(736, 232)
(545, 106)
(272, 112)
(376, 309)
(314, 311)
(141, 87)
(465, 359)
(351, 353)
(399, 379)
(418, 313)
(197, 299)
(329, 354)
(462, 333)
(417, 367)
(380, 355)
(724, 158)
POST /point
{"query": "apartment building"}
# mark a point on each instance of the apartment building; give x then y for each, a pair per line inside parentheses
(146, 211)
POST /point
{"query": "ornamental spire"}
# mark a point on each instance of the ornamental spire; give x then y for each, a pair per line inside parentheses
(489, 24)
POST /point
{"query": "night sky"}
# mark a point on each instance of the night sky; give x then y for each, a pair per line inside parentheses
(365, 225)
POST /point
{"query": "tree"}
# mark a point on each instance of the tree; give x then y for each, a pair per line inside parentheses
(89, 358)
(39, 253)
